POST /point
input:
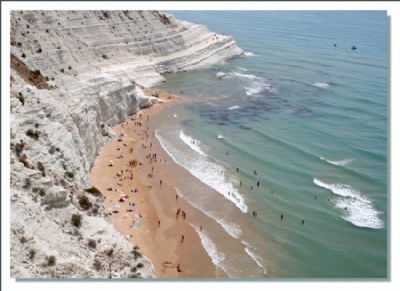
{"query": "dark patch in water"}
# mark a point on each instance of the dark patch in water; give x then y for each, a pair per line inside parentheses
(298, 101)
(244, 127)
(187, 122)
(302, 111)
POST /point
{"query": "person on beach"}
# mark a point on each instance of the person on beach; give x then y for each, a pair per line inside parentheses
(281, 216)
(258, 183)
(159, 223)
(182, 238)
(201, 227)
(160, 183)
(178, 268)
(176, 197)
(178, 212)
(183, 214)
(240, 183)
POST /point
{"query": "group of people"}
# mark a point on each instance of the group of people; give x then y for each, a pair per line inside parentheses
(132, 163)
(182, 213)
(151, 158)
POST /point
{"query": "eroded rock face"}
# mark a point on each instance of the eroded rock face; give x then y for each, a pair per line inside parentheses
(74, 75)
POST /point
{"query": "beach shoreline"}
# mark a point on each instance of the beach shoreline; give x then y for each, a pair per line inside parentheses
(162, 234)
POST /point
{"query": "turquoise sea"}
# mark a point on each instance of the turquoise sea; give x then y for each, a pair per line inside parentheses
(305, 116)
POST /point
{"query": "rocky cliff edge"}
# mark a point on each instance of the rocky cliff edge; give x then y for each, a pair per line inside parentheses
(74, 75)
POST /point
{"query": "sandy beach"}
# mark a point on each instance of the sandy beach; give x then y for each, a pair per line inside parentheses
(130, 171)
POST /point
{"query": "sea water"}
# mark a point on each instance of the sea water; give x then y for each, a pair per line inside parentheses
(305, 116)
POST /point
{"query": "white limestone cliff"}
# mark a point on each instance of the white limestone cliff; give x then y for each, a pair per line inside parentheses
(74, 75)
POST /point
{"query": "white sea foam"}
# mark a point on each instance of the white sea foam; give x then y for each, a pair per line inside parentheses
(219, 259)
(321, 85)
(338, 163)
(220, 136)
(247, 76)
(191, 142)
(250, 54)
(234, 107)
(241, 69)
(257, 86)
(175, 116)
(206, 170)
(358, 209)
(216, 256)
(231, 228)
(250, 251)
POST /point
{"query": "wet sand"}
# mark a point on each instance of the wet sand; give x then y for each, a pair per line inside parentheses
(155, 201)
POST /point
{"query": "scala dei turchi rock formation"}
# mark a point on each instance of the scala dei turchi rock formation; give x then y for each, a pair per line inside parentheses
(74, 75)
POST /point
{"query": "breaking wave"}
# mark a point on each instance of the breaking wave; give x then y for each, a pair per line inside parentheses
(231, 228)
(338, 163)
(202, 167)
(234, 107)
(250, 54)
(191, 142)
(257, 86)
(358, 209)
(321, 85)
(250, 251)
(216, 256)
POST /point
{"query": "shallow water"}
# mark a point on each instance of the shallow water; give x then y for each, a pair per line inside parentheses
(310, 118)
